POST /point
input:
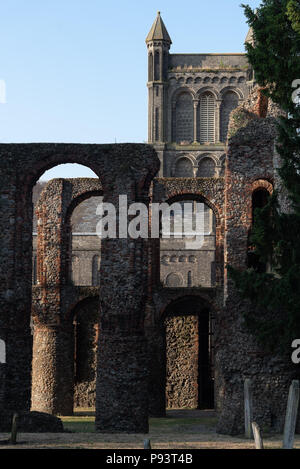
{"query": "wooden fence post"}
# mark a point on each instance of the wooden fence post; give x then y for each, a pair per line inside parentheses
(13, 436)
(147, 444)
(257, 436)
(291, 416)
(248, 407)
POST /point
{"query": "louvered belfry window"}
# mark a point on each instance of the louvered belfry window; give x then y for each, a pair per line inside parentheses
(207, 118)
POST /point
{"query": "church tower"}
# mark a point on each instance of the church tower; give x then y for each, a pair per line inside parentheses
(158, 44)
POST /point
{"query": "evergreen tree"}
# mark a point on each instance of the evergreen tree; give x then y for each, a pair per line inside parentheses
(275, 58)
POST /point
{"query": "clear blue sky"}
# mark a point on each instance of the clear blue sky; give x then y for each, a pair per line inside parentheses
(76, 70)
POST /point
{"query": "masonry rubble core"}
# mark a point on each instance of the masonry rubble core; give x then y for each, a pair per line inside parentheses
(149, 322)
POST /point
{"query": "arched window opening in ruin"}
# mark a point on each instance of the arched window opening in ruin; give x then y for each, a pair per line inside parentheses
(259, 200)
(189, 354)
(2, 351)
(189, 235)
(55, 196)
(65, 171)
(86, 245)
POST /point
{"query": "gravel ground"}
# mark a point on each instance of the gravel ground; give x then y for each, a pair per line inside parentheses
(170, 433)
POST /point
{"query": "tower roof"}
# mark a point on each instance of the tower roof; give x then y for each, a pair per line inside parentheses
(158, 31)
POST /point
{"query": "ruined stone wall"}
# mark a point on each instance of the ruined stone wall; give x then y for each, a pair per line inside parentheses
(182, 352)
(249, 166)
(122, 169)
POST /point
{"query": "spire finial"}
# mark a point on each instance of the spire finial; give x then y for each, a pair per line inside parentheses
(158, 13)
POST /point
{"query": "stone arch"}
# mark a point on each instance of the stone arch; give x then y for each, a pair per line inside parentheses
(262, 184)
(128, 168)
(206, 166)
(174, 279)
(230, 101)
(235, 89)
(261, 191)
(183, 167)
(184, 117)
(72, 192)
(208, 89)
(175, 297)
(177, 196)
(165, 259)
(188, 156)
(179, 91)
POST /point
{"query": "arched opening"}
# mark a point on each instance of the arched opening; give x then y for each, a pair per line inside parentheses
(184, 168)
(184, 118)
(207, 118)
(188, 332)
(64, 262)
(260, 198)
(188, 240)
(85, 244)
(229, 102)
(85, 321)
(206, 168)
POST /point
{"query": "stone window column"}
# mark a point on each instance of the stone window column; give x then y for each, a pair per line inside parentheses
(196, 105)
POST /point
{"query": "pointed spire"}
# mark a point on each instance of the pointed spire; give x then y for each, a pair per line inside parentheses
(158, 31)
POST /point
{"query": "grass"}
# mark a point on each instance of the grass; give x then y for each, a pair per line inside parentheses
(83, 421)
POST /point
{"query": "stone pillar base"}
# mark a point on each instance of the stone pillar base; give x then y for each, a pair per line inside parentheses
(121, 393)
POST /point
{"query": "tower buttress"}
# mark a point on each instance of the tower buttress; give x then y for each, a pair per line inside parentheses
(158, 44)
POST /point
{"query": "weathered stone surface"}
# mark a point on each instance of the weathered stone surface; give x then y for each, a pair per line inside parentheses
(125, 169)
(32, 422)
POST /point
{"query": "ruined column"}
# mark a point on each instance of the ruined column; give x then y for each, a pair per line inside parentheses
(53, 369)
(122, 369)
(121, 386)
